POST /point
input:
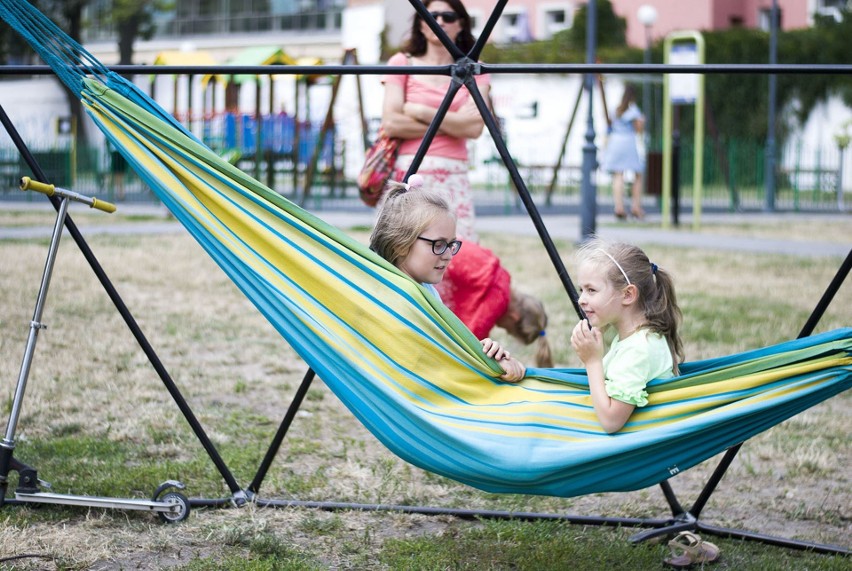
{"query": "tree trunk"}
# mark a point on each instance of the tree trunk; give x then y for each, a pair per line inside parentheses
(73, 12)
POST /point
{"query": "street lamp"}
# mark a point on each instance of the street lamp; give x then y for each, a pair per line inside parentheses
(647, 15)
(842, 138)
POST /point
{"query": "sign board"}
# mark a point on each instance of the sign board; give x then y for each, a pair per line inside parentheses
(683, 87)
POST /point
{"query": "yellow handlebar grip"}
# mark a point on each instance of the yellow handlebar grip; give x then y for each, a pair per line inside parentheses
(103, 205)
(29, 184)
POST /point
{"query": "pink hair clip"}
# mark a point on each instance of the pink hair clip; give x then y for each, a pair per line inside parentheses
(415, 182)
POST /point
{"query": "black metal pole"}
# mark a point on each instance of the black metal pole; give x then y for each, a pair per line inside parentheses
(826, 298)
(282, 431)
(769, 165)
(588, 190)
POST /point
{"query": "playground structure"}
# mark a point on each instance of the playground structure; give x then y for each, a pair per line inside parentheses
(289, 151)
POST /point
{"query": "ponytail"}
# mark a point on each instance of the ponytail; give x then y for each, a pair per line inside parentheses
(664, 315)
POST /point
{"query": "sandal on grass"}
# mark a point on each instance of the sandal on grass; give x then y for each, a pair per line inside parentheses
(689, 550)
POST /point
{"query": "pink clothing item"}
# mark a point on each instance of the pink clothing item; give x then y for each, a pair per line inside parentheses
(417, 91)
(476, 288)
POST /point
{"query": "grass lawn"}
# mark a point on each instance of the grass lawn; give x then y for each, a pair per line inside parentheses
(96, 420)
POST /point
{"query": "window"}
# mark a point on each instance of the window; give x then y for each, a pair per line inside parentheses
(514, 27)
(553, 18)
(477, 22)
(216, 17)
(831, 8)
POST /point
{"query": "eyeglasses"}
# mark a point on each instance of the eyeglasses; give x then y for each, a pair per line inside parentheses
(440, 246)
(449, 17)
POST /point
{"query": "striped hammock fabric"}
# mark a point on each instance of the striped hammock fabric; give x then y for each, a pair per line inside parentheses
(400, 361)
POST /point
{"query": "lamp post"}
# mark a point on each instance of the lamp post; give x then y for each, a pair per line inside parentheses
(769, 163)
(588, 190)
(842, 138)
(647, 15)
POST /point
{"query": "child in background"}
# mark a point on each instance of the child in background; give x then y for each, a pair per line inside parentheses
(416, 232)
(621, 288)
(477, 288)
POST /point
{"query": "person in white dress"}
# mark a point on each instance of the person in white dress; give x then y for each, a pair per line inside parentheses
(622, 154)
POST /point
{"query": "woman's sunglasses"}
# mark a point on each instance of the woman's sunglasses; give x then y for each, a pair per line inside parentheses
(448, 16)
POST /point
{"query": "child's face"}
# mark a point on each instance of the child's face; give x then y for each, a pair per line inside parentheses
(421, 264)
(598, 297)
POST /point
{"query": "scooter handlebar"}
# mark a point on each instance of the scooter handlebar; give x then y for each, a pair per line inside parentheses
(29, 184)
(50, 190)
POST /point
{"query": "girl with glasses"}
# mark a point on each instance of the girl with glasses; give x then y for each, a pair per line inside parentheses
(411, 102)
(416, 232)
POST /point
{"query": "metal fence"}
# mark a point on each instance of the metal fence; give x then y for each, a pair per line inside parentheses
(808, 179)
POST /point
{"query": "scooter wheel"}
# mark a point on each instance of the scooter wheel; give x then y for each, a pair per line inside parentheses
(182, 512)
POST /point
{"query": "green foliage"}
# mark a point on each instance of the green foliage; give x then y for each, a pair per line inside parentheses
(612, 28)
(737, 103)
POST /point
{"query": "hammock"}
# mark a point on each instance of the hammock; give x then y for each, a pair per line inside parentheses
(402, 362)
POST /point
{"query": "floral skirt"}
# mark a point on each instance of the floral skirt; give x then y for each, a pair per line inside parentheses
(448, 177)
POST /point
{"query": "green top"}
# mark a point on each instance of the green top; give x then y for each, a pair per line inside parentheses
(631, 363)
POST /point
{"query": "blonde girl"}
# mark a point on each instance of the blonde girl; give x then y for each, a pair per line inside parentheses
(620, 288)
(416, 232)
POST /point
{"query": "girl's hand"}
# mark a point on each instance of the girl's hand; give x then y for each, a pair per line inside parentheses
(515, 370)
(469, 109)
(494, 349)
(588, 343)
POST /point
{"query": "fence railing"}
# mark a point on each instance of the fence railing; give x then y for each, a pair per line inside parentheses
(807, 179)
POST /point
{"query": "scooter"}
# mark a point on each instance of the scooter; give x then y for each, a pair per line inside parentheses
(170, 506)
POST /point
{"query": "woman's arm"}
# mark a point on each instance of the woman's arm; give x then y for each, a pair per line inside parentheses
(588, 343)
(466, 123)
(394, 121)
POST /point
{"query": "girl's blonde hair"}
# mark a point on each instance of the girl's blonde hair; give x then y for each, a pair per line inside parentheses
(627, 264)
(403, 215)
(531, 325)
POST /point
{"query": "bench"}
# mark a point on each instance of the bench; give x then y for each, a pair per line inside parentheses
(826, 180)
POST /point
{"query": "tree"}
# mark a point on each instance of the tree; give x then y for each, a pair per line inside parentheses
(612, 28)
(72, 11)
(739, 102)
(134, 19)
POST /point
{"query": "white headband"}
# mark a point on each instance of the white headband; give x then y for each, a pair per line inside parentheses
(617, 265)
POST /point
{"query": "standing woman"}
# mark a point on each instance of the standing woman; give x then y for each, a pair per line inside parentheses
(622, 154)
(411, 102)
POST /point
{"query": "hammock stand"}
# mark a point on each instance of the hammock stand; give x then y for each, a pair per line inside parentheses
(681, 519)
(463, 73)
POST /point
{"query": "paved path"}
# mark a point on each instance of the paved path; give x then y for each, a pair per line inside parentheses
(562, 227)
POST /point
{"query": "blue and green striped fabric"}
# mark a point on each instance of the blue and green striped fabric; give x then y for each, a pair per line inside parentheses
(401, 362)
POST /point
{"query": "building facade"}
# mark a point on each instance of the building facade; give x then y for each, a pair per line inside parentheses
(320, 31)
